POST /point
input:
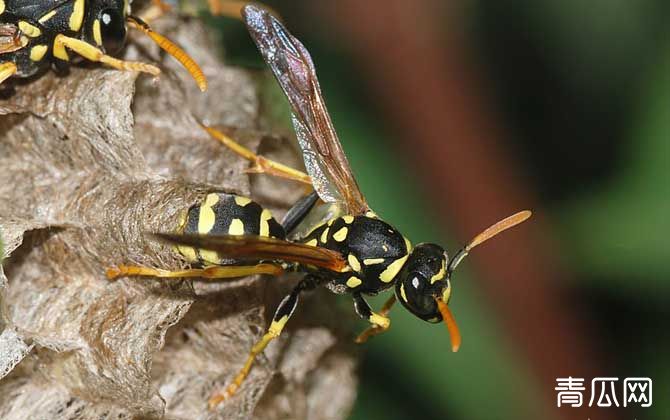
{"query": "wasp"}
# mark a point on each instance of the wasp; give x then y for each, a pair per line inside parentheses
(35, 35)
(340, 244)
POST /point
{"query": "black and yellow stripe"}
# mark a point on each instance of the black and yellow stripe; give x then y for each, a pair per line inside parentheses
(375, 251)
(230, 214)
(49, 31)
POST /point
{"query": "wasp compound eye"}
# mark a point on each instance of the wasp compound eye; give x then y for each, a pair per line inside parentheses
(112, 30)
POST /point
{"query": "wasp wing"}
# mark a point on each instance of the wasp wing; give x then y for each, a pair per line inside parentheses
(292, 65)
(251, 247)
(10, 40)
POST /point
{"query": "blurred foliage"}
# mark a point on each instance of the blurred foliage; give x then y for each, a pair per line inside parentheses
(621, 231)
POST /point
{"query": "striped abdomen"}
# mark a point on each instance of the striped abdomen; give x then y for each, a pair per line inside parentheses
(222, 213)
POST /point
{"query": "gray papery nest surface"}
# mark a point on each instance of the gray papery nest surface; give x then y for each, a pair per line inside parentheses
(90, 161)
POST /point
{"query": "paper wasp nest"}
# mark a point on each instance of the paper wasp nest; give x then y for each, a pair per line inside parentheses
(90, 161)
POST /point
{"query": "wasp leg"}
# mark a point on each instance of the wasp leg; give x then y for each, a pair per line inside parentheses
(155, 11)
(279, 320)
(213, 272)
(378, 320)
(260, 163)
(233, 8)
(92, 53)
(299, 211)
(7, 70)
(376, 329)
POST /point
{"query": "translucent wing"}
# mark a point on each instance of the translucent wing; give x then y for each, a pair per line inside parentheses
(250, 247)
(292, 65)
(10, 40)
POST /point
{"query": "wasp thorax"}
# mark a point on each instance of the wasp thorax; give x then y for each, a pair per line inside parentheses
(375, 252)
(422, 279)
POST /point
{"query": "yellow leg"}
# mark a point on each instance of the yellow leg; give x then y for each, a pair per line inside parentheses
(260, 163)
(232, 8)
(92, 53)
(155, 11)
(213, 272)
(279, 320)
(379, 325)
(7, 70)
(219, 397)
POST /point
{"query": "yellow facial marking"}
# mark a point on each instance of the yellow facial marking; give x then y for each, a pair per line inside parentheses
(408, 244)
(440, 274)
(393, 269)
(446, 294)
(37, 52)
(353, 262)
(265, 226)
(341, 234)
(354, 282)
(371, 214)
(236, 227)
(373, 261)
(324, 235)
(402, 292)
(385, 248)
(242, 201)
(30, 30)
(46, 17)
(97, 34)
(348, 219)
(311, 242)
(2, 6)
(382, 321)
(77, 16)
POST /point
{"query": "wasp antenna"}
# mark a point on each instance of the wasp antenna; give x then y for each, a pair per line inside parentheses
(172, 49)
(489, 233)
(233, 8)
(450, 322)
(497, 228)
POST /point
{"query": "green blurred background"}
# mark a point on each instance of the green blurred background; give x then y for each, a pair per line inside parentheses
(572, 100)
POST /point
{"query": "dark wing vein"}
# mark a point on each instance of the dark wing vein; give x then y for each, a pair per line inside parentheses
(251, 247)
(293, 67)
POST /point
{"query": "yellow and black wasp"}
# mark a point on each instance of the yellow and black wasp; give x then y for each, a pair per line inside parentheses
(36, 34)
(341, 244)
